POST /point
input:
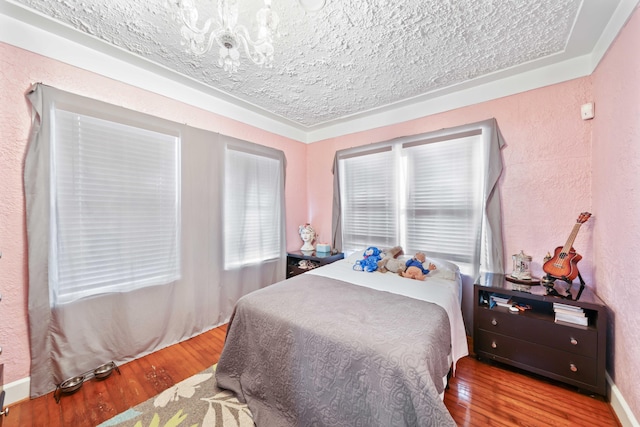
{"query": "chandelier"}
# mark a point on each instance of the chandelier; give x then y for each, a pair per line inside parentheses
(228, 37)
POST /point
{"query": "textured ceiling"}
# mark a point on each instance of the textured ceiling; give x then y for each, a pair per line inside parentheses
(351, 57)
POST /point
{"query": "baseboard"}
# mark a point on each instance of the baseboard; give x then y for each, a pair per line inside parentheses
(620, 407)
(17, 391)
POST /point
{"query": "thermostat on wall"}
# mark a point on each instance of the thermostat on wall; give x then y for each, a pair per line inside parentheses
(587, 111)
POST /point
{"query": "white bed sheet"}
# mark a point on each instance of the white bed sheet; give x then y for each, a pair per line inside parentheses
(434, 289)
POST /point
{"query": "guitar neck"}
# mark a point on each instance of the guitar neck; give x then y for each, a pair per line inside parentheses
(572, 237)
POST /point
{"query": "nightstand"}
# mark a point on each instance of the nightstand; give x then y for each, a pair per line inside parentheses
(315, 259)
(532, 339)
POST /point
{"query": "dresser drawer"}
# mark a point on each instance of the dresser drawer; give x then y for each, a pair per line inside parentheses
(578, 340)
(537, 358)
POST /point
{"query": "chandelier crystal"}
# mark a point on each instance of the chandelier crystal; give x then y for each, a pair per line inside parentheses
(228, 37)
(312, 5)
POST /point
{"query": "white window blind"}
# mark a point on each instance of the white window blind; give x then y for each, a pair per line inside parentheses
(444, 198)
(115, 207)
(369, 200)
(253, 192)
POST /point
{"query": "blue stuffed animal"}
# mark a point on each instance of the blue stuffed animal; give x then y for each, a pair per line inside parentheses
(369, 261)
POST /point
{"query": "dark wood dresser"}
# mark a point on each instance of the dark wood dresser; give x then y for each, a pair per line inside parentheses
(532, 339)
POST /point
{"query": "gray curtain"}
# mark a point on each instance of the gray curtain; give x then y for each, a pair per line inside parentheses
(336, 213)
(491, 243)
(74, 338)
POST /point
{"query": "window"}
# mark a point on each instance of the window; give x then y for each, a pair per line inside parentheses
(370, 210)
(425, 193)
(116, 201)
(443, 196)
(253, 217)
(115, 207)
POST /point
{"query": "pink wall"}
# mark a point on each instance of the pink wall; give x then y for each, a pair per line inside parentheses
(19, 70)
(616, 199)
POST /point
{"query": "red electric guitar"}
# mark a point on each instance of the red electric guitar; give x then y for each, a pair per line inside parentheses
(563, 263)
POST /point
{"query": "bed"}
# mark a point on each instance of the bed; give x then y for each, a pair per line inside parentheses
(338, 347)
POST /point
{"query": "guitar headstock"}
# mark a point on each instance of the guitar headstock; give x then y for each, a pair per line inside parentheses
(584, 216)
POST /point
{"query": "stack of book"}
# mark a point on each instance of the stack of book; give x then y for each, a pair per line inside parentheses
(570, 314)
(499, 301)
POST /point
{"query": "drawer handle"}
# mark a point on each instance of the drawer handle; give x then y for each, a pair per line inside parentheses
(494, 322)
(573, 367)
(574, 341)
(494, 345)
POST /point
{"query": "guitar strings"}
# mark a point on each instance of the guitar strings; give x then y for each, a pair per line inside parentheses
(563, 254)
(584, 216)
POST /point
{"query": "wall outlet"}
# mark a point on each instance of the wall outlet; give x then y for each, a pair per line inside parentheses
(587, 111)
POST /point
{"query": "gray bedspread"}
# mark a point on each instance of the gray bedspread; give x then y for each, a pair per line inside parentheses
(314, 351)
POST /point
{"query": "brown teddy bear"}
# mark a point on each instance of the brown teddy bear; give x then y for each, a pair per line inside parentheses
(415, 269)
(389, 261)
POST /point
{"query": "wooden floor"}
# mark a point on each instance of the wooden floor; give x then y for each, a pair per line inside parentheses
(479, 395)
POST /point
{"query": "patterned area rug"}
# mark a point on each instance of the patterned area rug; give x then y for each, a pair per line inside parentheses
(196, 401)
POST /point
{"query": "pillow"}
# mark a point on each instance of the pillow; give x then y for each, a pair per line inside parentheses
(445, 269)
(353, 256)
